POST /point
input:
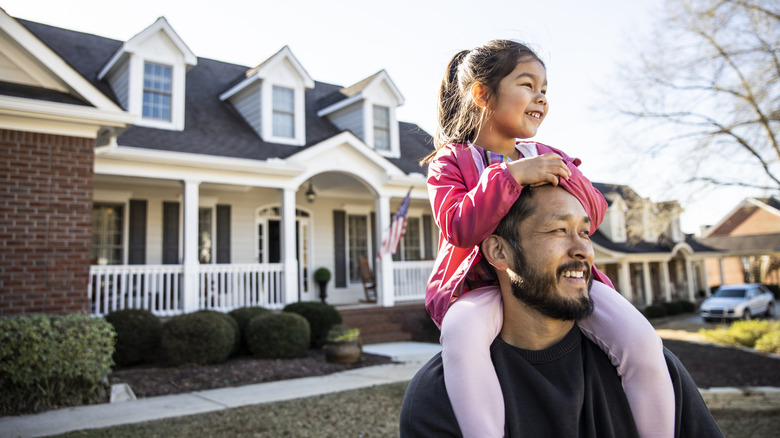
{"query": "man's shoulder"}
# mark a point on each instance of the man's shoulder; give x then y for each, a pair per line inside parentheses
(426, 409)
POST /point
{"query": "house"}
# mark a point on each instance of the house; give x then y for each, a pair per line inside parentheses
(749, 238)
(184, 183)
(140, 175)
(641, 247)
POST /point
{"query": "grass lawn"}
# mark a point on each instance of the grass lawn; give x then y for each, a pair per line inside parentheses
(367, 413)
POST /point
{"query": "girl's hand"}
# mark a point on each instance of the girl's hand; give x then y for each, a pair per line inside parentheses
(539, 170)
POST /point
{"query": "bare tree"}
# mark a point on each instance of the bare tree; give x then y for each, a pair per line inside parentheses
(709, 84)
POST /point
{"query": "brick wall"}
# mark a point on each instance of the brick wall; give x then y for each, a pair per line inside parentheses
(45, 222)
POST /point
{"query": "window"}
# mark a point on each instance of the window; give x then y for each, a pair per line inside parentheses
(357, 242)
(157, 91)
(107, 229)
(381, 128)
(204, 235)
(411, 239)
(283, 112)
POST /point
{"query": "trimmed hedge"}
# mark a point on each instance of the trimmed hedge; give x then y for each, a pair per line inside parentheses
(138, 334)
(321, 318)
(673, 308)
(282, 335)
(200, 337)
(53, 361)
(687, 306)
(655, 311)
(233, 324)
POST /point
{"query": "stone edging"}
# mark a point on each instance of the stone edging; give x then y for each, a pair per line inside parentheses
(757, 398)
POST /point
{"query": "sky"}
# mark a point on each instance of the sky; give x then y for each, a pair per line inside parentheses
(344, 41)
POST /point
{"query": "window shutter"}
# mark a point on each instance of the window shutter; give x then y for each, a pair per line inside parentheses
(137, 234)
(428, 236)
(339, 247)
(223, 234)
(170, 233)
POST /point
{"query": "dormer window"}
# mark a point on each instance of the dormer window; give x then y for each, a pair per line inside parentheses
(283, 112)
(381, 128)
(157, 91)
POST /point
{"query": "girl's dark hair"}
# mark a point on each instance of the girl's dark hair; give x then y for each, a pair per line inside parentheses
(459, 116)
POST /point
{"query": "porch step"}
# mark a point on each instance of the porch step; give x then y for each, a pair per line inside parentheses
(388, 324)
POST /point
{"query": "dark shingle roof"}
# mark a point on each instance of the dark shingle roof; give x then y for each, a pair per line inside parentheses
(212, 127)
(17, 90)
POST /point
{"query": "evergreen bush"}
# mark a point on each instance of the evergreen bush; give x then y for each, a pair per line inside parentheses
(673, 308)
(321, 317)
(655, 311)
(687, 306)
(242, 315)
(200, 338)
(282, 335)
(233, 324)
(53, 361)
(138, 334)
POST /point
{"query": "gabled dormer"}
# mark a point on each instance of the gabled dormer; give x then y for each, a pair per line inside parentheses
(367, 108)
(614, 224)
(148, 75)
(669, 218)
(271, 98)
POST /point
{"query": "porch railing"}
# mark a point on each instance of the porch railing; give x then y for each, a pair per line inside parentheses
(410, 279)
(226, 287)
(158, 288)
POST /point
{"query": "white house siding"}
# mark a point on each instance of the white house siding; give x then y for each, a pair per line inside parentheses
(248, 104)
(350, 118)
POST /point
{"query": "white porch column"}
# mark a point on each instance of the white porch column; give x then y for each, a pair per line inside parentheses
(290, 263)
(691, 282)
(706, 278)
(190, 283)
(665, 281)
(722, 275)
(386, 295)
(646, 283)
(624, 281)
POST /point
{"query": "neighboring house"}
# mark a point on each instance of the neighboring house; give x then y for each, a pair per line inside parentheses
(215, 185)
(749, 238)
(641, 247)
(139, 175)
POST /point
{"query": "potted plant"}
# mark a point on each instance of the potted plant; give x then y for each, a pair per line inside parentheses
(322, 277)
(343, 345)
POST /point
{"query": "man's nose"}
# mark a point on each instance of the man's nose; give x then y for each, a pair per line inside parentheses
(580, 248)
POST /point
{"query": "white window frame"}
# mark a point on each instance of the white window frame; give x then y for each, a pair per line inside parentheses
(117, 197)
(267, 108)
(377, 128)
(157, 92)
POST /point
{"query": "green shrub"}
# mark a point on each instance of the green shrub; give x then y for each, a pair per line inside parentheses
(775, 289)
(52, 361)
(138, 335)
(743, 333)
(242, 315)
(201, 338)
(233, 325)
(282, 335)
(687, 306)
(673, 308)
(655, 311)
(321, 318)
(769, 343)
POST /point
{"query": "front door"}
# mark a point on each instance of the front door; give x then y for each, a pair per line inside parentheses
(269, 243)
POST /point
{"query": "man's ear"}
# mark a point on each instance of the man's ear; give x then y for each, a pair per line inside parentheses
(496, 252)
(479, 94)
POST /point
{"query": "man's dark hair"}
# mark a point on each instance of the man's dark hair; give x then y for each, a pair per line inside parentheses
(509, 227)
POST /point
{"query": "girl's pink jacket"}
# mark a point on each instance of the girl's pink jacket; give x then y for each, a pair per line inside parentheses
(468, 206)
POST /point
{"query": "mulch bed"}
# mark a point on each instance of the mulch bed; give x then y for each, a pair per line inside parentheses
(710, 366)
(150, 381)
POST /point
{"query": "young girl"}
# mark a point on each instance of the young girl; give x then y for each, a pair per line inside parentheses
(490, 97)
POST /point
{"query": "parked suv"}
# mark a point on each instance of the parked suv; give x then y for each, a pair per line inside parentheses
(738, 301)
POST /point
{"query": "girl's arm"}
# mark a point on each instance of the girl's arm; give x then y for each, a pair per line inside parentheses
(467, 216)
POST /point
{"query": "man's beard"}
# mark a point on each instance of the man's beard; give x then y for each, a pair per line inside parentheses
(539, 290)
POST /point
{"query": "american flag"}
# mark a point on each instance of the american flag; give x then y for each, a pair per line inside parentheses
(397, 228)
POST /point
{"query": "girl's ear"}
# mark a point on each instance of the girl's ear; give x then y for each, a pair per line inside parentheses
(496, 252)
(479, 94)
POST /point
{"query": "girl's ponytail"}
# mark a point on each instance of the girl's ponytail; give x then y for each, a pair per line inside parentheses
(449, 104)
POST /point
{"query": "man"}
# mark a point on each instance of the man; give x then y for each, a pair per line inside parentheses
(555, 381)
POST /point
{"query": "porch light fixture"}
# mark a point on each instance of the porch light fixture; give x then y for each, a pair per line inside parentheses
(310, 195)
